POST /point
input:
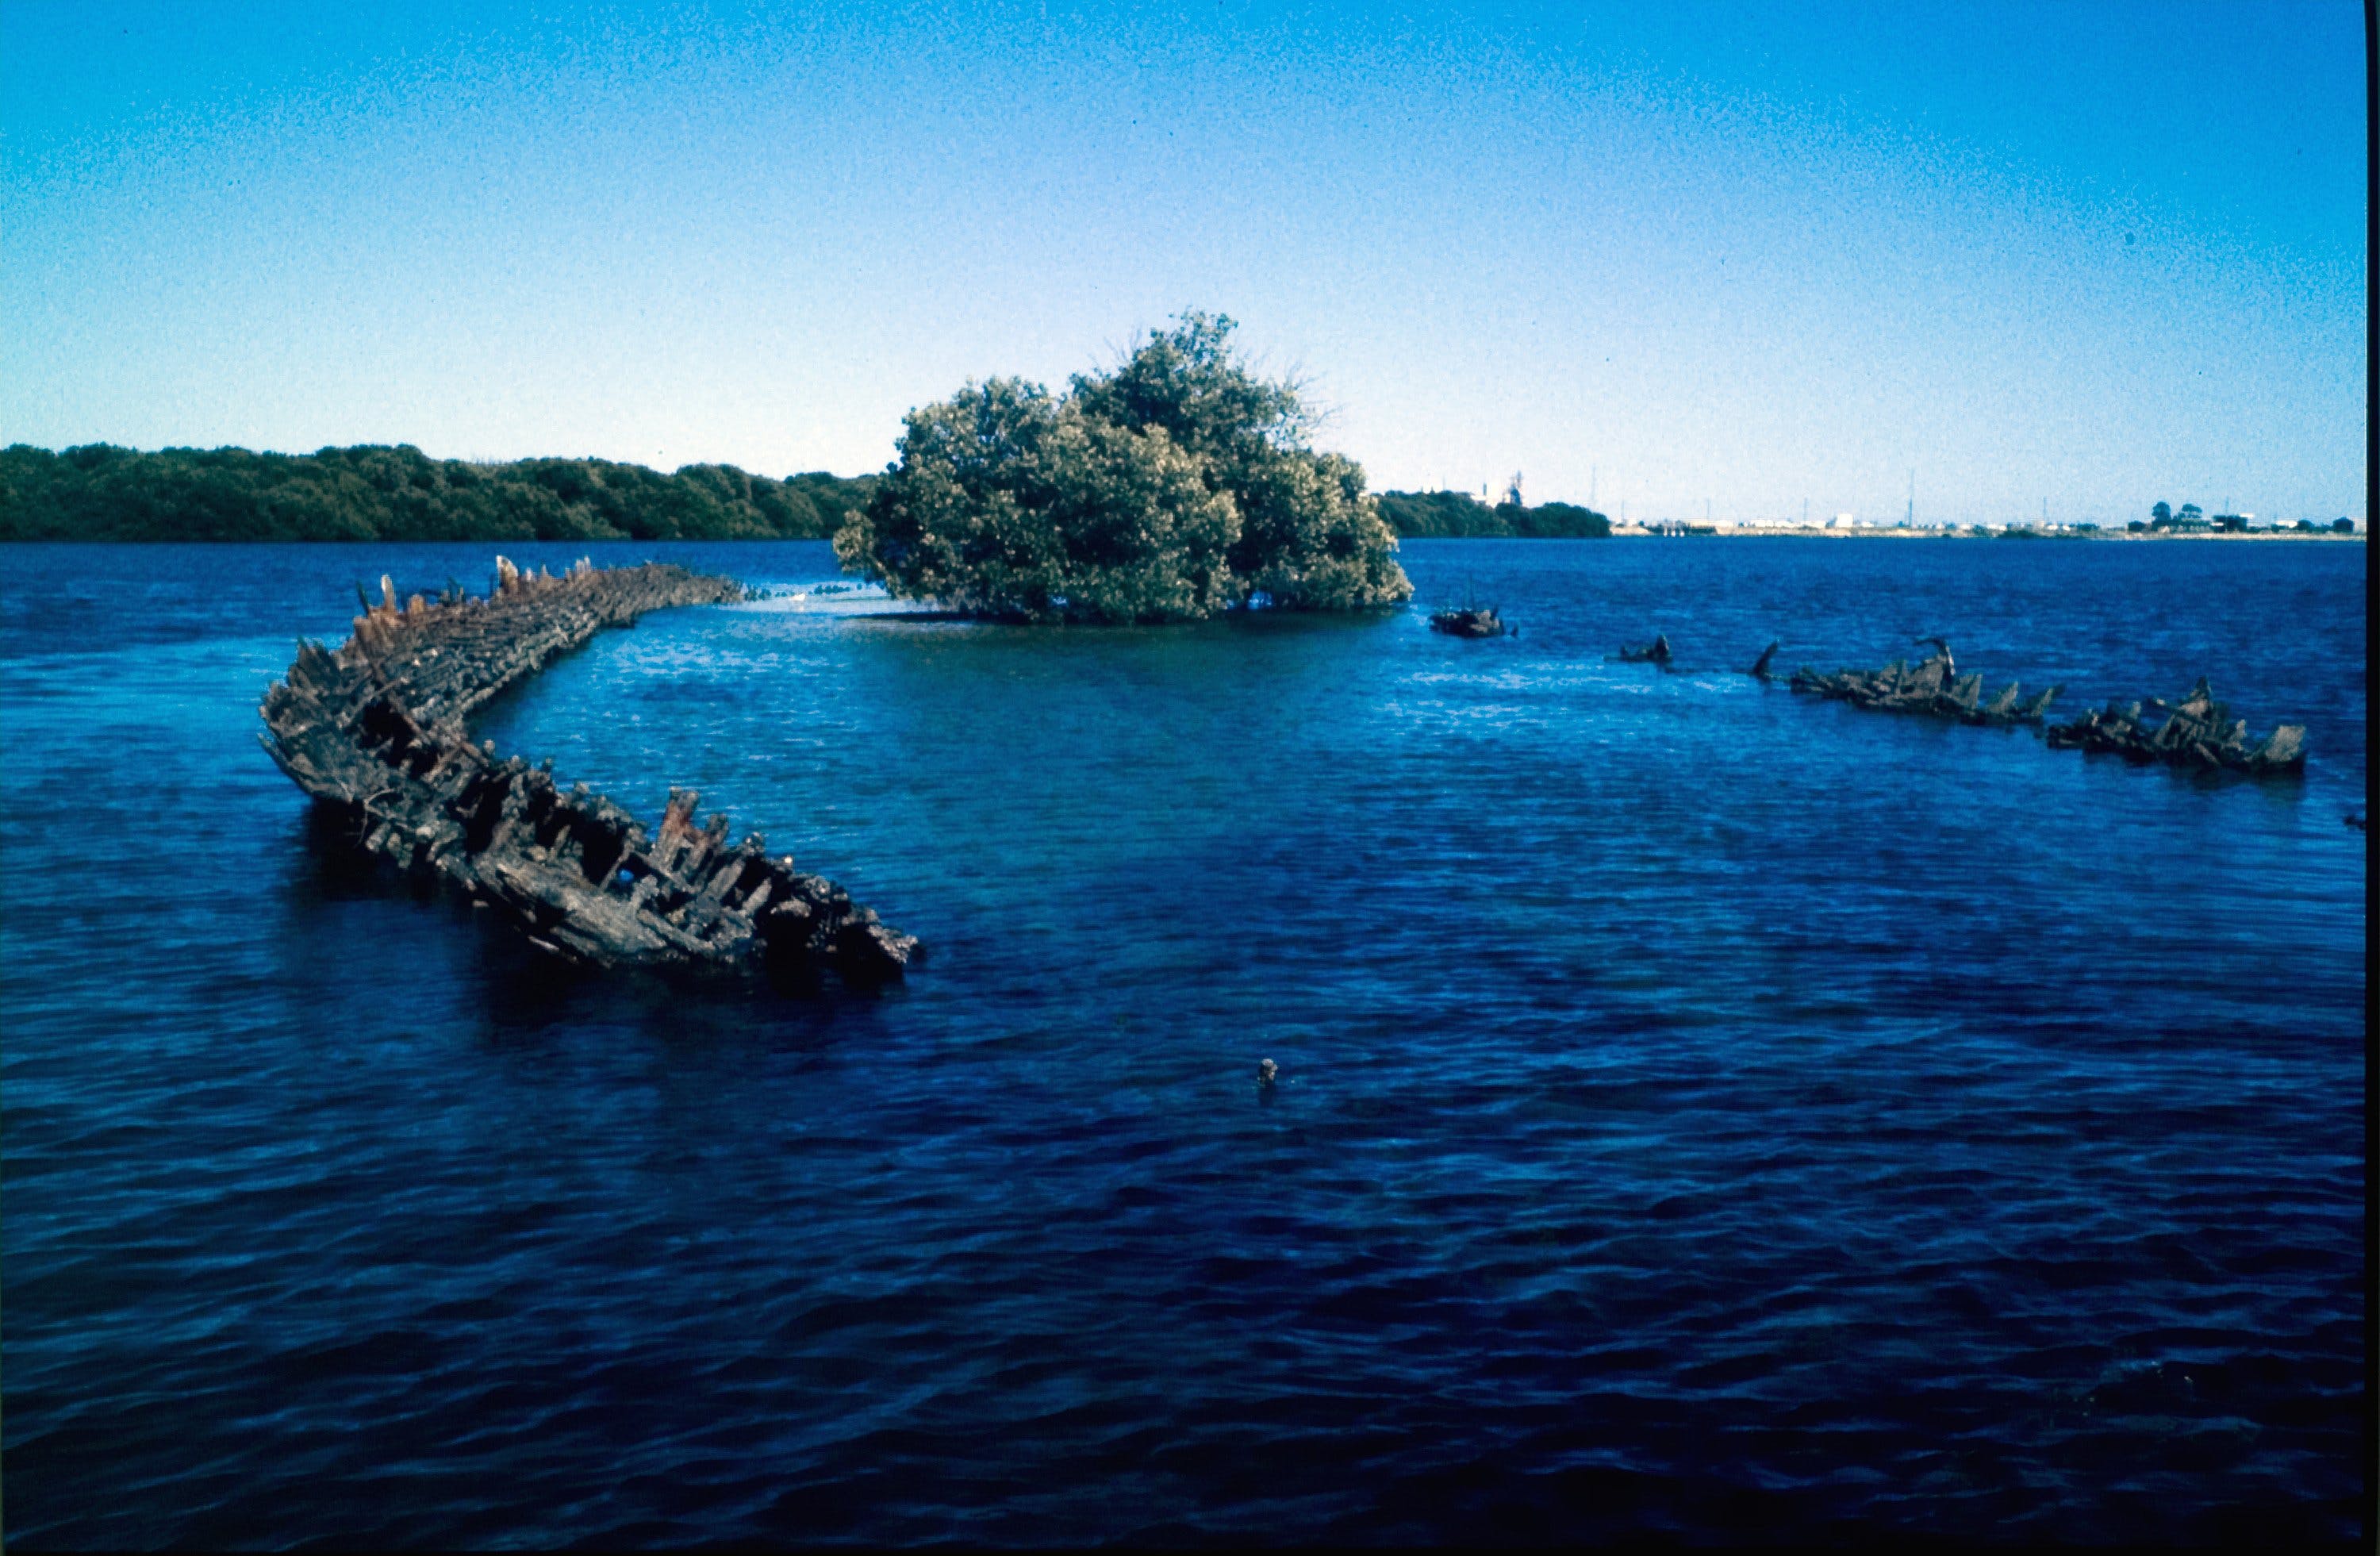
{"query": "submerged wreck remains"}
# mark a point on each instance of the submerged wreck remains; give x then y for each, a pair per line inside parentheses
(1470, 621)
(374, 732)
(2199, 732)
(1933, 688)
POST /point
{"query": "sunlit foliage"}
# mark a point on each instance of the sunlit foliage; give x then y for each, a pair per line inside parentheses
(1175, 487)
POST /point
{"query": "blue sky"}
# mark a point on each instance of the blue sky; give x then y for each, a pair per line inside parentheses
(1738, 254)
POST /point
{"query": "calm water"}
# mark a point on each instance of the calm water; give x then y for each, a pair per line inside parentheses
(1705, 1112)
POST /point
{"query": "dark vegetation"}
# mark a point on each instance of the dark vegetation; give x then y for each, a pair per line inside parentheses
(102, 492)
(1177, 486)
(2189, 519)
(1435, 515)
(379, 492)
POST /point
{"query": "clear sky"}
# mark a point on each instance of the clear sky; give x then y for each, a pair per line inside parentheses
(1742, 254)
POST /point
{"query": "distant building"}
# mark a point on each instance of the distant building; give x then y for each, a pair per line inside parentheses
(1511, 493)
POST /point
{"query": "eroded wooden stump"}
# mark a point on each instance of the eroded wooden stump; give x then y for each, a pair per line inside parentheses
(1655, 652)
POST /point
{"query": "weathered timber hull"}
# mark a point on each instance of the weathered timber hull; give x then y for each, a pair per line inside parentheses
(374, 732)
(1932, 690)
(2199, 734)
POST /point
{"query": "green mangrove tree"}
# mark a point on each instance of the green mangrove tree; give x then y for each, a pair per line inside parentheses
(1175, 487)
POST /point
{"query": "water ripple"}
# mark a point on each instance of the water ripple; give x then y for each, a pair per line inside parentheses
(1705, 1114)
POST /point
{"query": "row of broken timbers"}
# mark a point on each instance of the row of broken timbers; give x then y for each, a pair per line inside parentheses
(2198, 732)
(374, 731)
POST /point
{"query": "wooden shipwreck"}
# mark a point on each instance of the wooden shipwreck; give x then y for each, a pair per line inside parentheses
(1933, 688)
(2199, 732)
(1472, 621)
(1473, 618)
(374, 731)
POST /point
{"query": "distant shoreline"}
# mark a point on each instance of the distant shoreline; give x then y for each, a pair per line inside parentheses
(396, 494)
(1723, 531)
(1817, 532)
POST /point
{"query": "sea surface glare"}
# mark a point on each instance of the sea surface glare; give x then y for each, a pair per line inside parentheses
(1705, 1112)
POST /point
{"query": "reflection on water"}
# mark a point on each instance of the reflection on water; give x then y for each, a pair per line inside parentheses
(1702, 1110)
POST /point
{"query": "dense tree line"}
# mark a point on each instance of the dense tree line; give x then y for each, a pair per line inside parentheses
(2189, 519)
(369, 493)
(1447, 514)
(102, 492)
(1175, 487)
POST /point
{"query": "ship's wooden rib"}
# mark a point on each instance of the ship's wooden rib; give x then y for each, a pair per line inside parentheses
(374, 732)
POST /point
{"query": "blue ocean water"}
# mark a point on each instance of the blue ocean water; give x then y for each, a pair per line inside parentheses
(1706, 1113)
